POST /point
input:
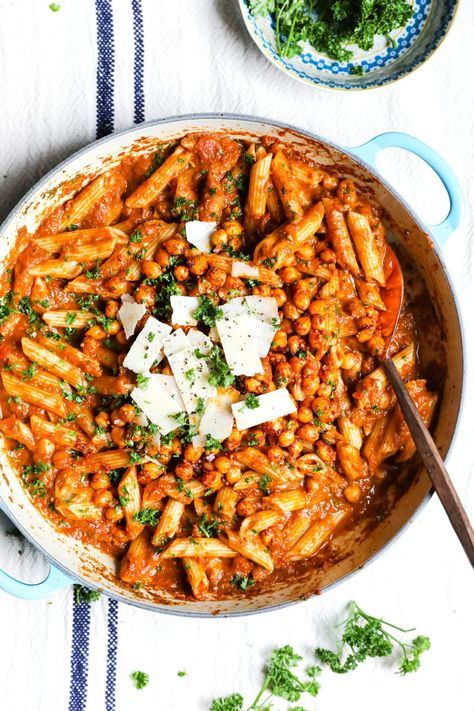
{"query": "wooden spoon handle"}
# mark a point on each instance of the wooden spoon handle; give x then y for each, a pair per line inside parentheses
(433, 462)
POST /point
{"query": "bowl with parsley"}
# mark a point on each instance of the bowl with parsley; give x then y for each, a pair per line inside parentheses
(348, 44)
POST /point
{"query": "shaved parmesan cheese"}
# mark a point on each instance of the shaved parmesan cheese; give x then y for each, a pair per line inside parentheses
(183, 309)
(264, 307)
(130, 314)
(214, 334)
(198, 339)
(175, 342)
(277, 403)
(198, 441)
(199, 234)
(148, 346)
(169, 384)
(192, 377)
(217, 419)
(157, 403)
(263, 335)
(237, 334)
(244, 270)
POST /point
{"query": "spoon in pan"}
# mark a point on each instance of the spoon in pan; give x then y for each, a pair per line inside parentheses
(392, 296)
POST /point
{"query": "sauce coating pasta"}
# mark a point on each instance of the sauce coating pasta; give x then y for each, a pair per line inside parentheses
(189, 364)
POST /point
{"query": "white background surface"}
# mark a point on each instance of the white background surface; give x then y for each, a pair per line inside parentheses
(199, 58)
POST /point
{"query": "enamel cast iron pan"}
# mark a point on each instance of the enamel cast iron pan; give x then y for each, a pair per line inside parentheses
(70, 561)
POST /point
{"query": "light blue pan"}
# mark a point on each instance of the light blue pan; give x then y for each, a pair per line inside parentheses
(71, 562)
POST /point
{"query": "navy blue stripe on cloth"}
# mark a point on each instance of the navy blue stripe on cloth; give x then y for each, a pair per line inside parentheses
(81, 618)
(105, 67)
(138, 66)
(112, 639)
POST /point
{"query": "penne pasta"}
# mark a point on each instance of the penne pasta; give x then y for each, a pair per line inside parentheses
(196, 574)
(52, 363)
(148, 191)
(366, 247)
(130, 500)
(252, 549)
(169, 522)
(257, 195)
(58, 268)
(198, 548)
(317, 534)
(42, 399)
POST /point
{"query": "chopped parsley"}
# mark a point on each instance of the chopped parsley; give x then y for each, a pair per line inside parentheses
(212, 443)
(252, 402)
(85, 595)
(219, 371)
(149, 516)
(208, 527)
(200, 406)
(207, 312)
(263, 484)
(29, 372)
(242, 581)
(140, 679)
(136, 237)
(142, 381)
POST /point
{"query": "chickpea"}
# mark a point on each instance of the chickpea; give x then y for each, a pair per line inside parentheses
(288, 275)
(111, 308)
(152, 470)
(113, 328)
(325, 390)
(219, 239)
(302, 325)
(276, 455)
(302, 296)
(315, 339)
(308, 433)
(233, 441)
(261, 290)
(376, 344)
(62, 459)
(103, 497)
(286, 438)
(162, 257)
(233, 475)
(305, 415)
(197, 264)
(253, 385)
(306, 251)
(127, 413)
(212, 479)
(145, 294)
(117, 285)
(352, 493)
(233, 228)
(184, 470)
(330, 182)
(290, 311)
(279, 296)
(216, 277)
(151, 270)
(175, 245)
(258, 437)
(295, 449)
(100, 480)
(193, 454)
(246, 507)
(351, 360)
(241, 566)
(235, 243)
(286, 326)
(121, 338)
(282, 373)
(97, 333)
(222, 464)
(280, 340)
(295, 344)
(310, 385)
(181, 273)
(118, 437)
(114, 513)
(326, 452)
(328, 256)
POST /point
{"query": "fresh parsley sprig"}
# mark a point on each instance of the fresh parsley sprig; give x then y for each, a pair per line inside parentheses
(366, 636)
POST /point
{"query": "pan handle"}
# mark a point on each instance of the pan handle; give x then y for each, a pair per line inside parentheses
(55, 580)
(367, 152)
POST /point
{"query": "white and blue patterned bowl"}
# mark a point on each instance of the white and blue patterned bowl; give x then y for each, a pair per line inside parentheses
(383, 64)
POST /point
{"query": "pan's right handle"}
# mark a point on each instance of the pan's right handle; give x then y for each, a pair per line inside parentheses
(367, 152)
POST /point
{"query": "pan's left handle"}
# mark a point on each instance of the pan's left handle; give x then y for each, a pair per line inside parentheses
(394, 139)
(55, 580)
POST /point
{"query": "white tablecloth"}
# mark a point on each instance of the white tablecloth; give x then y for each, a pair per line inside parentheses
(197, 57)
